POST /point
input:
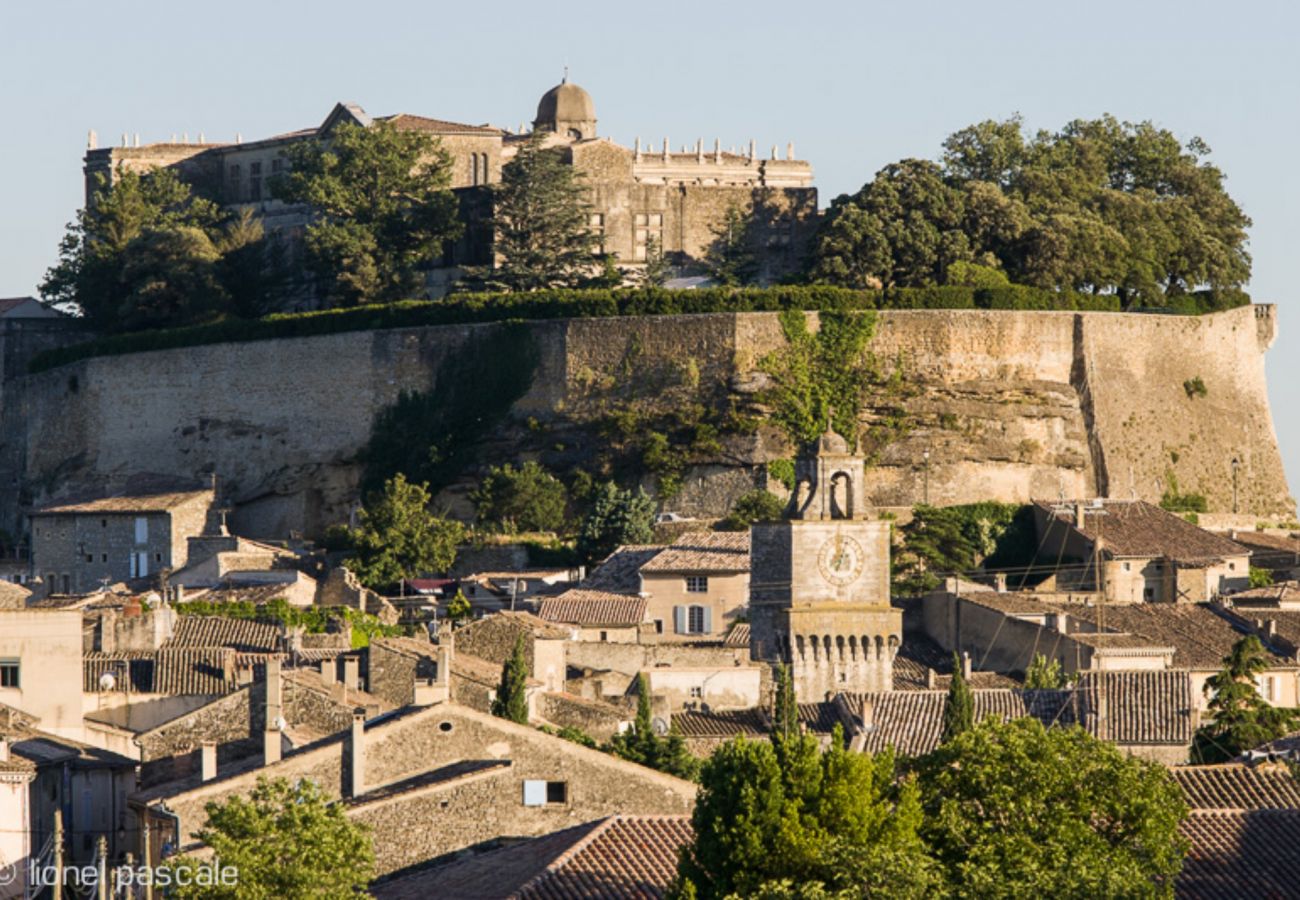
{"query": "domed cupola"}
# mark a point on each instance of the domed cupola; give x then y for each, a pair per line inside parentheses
(567, 109)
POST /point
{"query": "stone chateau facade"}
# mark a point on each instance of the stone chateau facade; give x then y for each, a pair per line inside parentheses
(678, 199)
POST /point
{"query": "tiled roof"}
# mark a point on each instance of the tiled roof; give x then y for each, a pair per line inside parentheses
(722, 723)
(1201, 638)
(127, 503)
(1285, 621)
(1267, 542)
(1238, 787)
(715, 551)
(593, 608)
(1011, 603)
(912, 721)
(1274, 595)
(136, 666)
(738, 636)
(1236, 854)
(623, 857)
(1144, 707)
(218, 631)
(408, 122)
(168, 670)
(919, 654)
(620, 572)
(537, 627)
(1140, 529)
(407, 646)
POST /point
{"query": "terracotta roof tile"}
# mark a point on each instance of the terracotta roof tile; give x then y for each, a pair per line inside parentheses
(1140, 529)
(919, 655)
(1236, 854)
(246, 635)
(1144, 707)
(722, 723)
(912, 721)
(623, 857)
(593, 608)
(1272, 596)
(738, 636)
(620, 572)
(1238, 787)
(716, 551)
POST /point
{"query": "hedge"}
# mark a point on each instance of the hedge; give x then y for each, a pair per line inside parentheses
(477, 308)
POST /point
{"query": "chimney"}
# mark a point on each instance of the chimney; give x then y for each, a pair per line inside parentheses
(1270, 628)
(930, 678)
(667, 150)
(4, 749)
(1000, 582)
(274, 713)
(637, 150)
(208, 760)
(965, 665)
(867, 716)
(350, 664)
(1080, 517)
(789, 150)
(357, 748)
(328, 671)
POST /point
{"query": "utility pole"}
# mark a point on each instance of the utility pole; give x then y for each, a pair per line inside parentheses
(146, 856)
(58, 853)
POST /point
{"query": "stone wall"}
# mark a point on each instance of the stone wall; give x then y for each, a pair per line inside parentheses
(1011, 405)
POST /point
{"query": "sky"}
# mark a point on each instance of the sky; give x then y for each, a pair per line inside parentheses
(855, 86)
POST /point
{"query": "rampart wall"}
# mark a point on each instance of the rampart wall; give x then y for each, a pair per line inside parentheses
(1010, 405)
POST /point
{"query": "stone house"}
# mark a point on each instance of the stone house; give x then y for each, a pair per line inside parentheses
(77, 547)
(40, 667)
(493, 639)
(1278, 552)
(597, 615)
(697, 586)
(466, 777)
(1146, 554)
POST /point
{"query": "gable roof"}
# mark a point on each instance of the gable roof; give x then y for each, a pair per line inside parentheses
(715, 551)
(247, 635)
(594, 608)
(632, 857)
(620, 572)
(159, 502)
(534, 625)
(1140, 529)
(1238, 787)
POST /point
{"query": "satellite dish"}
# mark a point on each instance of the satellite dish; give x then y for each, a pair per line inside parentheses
(107, 681)
(660, 725)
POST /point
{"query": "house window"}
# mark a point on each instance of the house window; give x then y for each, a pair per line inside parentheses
(659, 626)
(1232, 567)
(696, 620)
(604, 635)
(234, 183)
(67, 584)
(255, 181)
(157, 557)
(697, 691)
(103, 523)
(1128, 567)
(647, 227)
(90, 557)
(9, 673)
(103, 557)
(1266, 688)
(546, 793)
(697, 584)
(276, 166)
(692, 619)
(141, 530)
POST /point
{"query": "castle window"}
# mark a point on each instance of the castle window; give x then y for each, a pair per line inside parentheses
(473, 168)
(647, 227)
(697, 584)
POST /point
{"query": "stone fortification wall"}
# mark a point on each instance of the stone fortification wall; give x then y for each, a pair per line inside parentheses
(1011, 405)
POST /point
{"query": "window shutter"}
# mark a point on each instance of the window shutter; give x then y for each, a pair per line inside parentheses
(679, 619)
(708, 620)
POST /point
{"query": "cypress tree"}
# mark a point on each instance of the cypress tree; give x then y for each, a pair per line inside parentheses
(512, 695)
(959, 712)
(785, 713)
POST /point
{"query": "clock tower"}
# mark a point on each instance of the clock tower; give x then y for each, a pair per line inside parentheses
(819, 582)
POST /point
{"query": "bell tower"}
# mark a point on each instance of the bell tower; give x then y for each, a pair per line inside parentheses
(819, 583)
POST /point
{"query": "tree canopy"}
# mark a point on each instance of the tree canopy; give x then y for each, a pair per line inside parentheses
(1100, 205)
(286, 840)
(959, 711)
(1240, 719)
(511, 701)
(1018, 810)
(528, 498)
(617, 516)
(542, 235)
(384, 210)
(147, 252)
(397, 537)
(641, 744)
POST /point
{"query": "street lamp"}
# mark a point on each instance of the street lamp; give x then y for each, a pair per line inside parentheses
(925, 456)
(1236, 464)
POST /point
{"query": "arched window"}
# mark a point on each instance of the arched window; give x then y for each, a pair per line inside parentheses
(473, 164)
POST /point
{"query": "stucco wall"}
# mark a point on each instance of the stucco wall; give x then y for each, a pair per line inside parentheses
(1012, 405)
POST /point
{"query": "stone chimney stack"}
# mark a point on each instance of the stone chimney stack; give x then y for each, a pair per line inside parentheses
(1000, 582)
(667, 150)
(328, 671)
(208, 760)
(1080, 515)
(4, 749)
(868, 716)
(965, 665)
(274, 713)
(357, 750)
(350, 669)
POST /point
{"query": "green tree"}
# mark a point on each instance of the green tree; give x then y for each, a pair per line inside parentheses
(1044, 674)
(459, 608)
(616, 517)
(817, 373)
(142, 254)
(528, 498)
(540, 224)
(836, 824)
(511, 701)
(1018, 810)
(755, 506)
(286, 840)
(397, 538)
(945, 540)
(785, 711)
(384, 210)
(657, 267)
(640, 743)
(959, 710)
(729, 258)
(1240, 719)
(1260, 577)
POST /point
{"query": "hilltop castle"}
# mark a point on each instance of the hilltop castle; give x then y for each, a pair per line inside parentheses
(679, 200)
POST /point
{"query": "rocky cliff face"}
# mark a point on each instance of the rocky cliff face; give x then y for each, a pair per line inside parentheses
(1009, 405)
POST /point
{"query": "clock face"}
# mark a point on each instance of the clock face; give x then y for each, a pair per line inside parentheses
(841, 560)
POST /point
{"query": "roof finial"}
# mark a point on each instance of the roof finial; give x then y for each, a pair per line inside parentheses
(565, 79)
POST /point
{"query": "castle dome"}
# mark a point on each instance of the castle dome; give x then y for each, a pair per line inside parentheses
(567, 109)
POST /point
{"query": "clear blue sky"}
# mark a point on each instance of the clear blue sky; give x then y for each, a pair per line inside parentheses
(854, 84)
